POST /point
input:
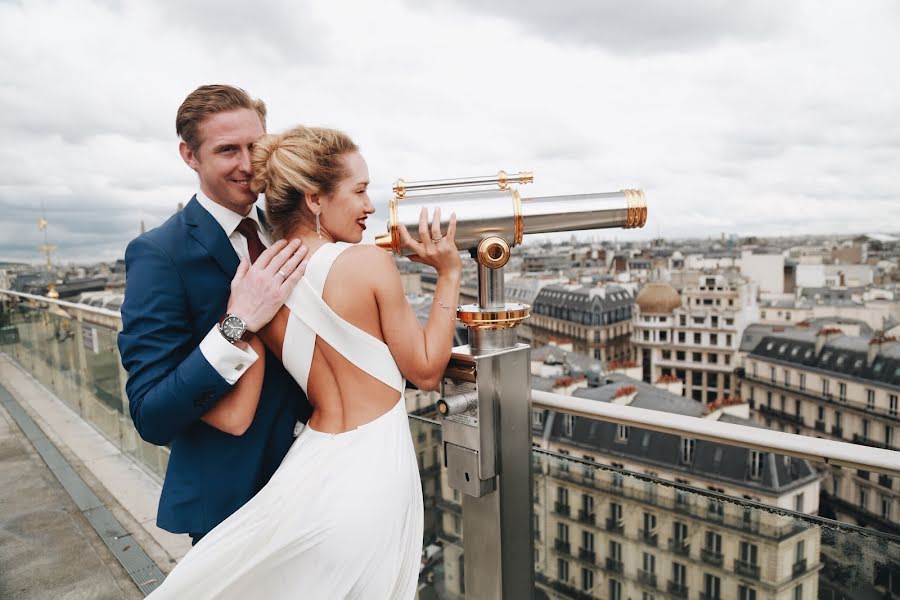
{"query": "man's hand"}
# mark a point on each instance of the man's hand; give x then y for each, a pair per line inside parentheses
(260, 289)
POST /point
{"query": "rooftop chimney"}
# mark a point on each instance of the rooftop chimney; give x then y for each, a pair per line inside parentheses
(878, 341)
(824, 335)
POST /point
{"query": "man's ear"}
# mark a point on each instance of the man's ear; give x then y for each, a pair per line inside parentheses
(188, 155)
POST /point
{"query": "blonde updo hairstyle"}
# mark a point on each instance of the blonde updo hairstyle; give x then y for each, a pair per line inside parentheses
(289, 165)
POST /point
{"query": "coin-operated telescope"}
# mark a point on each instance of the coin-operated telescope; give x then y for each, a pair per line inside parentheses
(485, 406)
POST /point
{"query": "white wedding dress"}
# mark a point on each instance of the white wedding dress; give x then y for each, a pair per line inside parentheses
(342, 516)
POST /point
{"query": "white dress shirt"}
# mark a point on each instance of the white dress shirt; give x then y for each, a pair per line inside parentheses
(227, 359)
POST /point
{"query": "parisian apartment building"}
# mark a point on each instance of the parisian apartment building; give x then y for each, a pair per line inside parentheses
(694, 337)
(816, 380)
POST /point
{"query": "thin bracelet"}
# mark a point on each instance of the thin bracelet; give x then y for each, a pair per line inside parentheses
(449, 310)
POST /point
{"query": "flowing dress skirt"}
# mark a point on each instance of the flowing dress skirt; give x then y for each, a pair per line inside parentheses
(341, 518)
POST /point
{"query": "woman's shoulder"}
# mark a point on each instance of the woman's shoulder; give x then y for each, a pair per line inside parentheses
(367, 261)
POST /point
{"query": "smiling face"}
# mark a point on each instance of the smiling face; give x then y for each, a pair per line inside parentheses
(344, 211)
(223, 158)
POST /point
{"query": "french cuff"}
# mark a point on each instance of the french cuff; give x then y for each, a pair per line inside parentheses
(228, 360)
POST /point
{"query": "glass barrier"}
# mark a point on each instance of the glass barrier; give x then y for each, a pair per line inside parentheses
(78, 361)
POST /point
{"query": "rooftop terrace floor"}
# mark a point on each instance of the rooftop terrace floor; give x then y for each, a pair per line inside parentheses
(48, 549)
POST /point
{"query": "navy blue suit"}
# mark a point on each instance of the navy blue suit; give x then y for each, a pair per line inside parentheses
(177, 288)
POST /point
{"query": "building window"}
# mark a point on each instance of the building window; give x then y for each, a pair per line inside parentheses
(622, 433)
(615, 550)
(679, 532)
(712, 357)
(697, 357)
(680, 355)
(756, 464)
(587, 541)
(615, 590)
(587, 580)
(712, 586)
(826, 391)
(667, 354)
(748, 553)
(888, 435)
(697, 338)
(537, 418)
(863, 498)
(679, 574)
(682, 320)
(842, 392)
(754, 370)
(802, 381)
(870, 399)
(681, 337)
(798, 592)
(649, 563)
(713, 339)
(800, 551)
(746, 593)
(646, 336)
(562, 568)
(713, 543)
(569, 424)
(865, 428)
(787, 378)
(663, 336)
(687, 450)
(892, 405)
(697, 378)
(798, 502)
(772, 374)
(562, 532)
(886, 508)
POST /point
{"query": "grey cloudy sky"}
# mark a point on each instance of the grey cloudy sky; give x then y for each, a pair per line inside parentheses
(738, 117)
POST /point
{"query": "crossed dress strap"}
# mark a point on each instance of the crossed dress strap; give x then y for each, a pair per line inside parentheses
(315, 318)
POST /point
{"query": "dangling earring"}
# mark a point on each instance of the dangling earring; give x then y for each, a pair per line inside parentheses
(318, 227)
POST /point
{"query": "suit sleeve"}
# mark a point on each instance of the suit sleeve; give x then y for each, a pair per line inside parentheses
(170, 382)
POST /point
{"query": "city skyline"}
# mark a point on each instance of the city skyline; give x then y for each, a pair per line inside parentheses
(759, 120)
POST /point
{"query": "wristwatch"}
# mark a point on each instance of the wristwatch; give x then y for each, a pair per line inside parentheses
(233, 329)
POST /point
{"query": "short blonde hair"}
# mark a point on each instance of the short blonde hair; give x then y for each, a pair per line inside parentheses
(208, 100)
(288, 165)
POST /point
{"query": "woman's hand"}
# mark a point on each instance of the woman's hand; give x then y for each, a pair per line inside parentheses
(435, 249)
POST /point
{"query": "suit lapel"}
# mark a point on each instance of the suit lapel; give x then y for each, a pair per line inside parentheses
(209, 234)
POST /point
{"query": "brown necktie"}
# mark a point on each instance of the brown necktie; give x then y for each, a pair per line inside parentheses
(247, 228)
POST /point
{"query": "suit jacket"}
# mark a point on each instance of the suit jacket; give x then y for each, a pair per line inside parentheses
(177, 288)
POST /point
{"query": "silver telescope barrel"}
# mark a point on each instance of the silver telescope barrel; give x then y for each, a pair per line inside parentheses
(503, 213)
(502, 180)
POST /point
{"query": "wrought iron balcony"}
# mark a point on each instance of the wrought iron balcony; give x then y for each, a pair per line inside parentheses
(561, 509)
(711, 556)
(820, 426)
(650, 537)
(747, 569)
(799, 568)
(614, 566)
(647, 578)
(587, 517)
(781, 414)
(562, 546)
(867, 441)
(677, 546)
(677, 589)
(615, 526)
(587, 555)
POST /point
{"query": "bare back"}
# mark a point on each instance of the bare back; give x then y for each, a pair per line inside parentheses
(349, 385)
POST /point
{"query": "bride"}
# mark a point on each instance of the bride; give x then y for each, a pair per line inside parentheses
(342, 517)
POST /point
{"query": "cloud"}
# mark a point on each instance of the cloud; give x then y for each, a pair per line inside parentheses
(746, 118)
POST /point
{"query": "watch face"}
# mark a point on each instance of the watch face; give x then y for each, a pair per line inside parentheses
(233, 328)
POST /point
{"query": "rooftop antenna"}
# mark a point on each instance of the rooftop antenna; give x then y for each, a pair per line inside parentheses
(47, 249)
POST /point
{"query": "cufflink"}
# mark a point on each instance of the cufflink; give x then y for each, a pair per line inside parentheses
(239, 367)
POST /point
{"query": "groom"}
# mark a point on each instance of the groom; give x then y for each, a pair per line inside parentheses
(185, 324)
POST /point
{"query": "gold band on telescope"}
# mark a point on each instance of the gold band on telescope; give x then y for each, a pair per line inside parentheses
(400, 188)
(502, 179)
(636, 215)
(472, 316)
(518, 218)
(394, 225)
